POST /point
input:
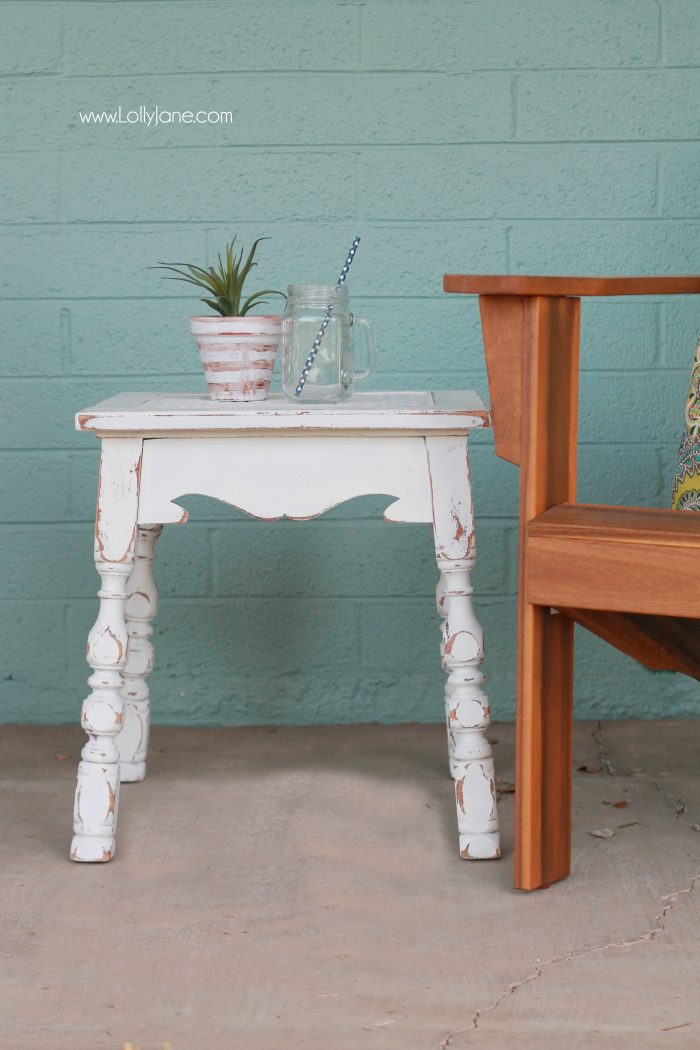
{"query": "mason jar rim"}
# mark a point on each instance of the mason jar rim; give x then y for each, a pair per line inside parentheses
(328, 292)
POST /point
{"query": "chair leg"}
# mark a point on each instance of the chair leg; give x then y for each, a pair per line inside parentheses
(544, 747)
(141, 607)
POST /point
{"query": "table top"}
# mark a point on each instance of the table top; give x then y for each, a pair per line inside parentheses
(167, 414)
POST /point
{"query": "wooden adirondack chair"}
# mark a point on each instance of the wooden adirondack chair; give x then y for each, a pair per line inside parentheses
(630, 575)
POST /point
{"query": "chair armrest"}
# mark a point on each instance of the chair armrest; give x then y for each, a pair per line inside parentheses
(504, 284)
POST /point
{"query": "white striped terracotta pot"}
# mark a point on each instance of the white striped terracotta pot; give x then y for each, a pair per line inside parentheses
(238, 355)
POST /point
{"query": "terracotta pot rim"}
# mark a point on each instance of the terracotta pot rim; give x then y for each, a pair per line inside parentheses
(237, 317)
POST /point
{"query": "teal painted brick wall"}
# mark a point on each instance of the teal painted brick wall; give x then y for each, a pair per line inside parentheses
(489, 135)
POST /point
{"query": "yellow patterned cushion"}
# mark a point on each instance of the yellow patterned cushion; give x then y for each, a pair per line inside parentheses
(686, 485)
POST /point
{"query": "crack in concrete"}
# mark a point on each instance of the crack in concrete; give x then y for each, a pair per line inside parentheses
(669, 901)
(603, 753)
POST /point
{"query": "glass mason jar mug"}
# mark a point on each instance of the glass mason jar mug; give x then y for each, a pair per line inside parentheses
(332, 375)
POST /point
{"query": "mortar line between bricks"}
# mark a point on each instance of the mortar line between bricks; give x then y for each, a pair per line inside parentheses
(376, 222)
(466, 370)
(514, 102)
(214, 600)
(360, 38)
(320, 147)
(492, 72)
(661, 29)
(439, 222)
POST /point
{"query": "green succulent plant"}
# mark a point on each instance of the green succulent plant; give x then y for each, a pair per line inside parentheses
(224, 283)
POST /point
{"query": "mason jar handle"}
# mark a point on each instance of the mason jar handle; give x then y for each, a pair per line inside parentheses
(368, 329)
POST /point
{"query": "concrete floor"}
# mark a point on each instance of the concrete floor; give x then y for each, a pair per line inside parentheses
(301, 888)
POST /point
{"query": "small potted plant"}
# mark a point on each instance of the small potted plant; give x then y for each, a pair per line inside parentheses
(237, 348)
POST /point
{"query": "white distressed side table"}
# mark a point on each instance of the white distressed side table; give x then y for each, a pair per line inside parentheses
(273, 459)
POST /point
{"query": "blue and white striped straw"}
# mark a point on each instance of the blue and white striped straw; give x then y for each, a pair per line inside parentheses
(324, 324)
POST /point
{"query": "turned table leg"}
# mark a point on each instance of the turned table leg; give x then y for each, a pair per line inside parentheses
(97, 791)
(468, 717)
(466, 704)
(442, 611)
(141, 607)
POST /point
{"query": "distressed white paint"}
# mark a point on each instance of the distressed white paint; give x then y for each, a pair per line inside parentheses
(467, 712)
(451, 492)
(97, 791)
(466, 704)
(420, 412)
(117, 498)
(141, 607)
(272, 461)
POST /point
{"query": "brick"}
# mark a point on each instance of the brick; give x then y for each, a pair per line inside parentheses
(33, 640)
(94, 260)
(619, 334)
(34, 113)
(36, 349)
(31, 38)
(203, 37)
(657, 246)
(681, 32)
(62, 563)
(106, 187)
(457, 36)
(268, 637)
(137, 337)
(653, 104)
(184, 562)
(518, 181)
(29, 188)
(680, 181)
(47, 562)
(35, 487)
(325, 559)
(629, 408)
(627, 474)
(681, 330)
(423, 335)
